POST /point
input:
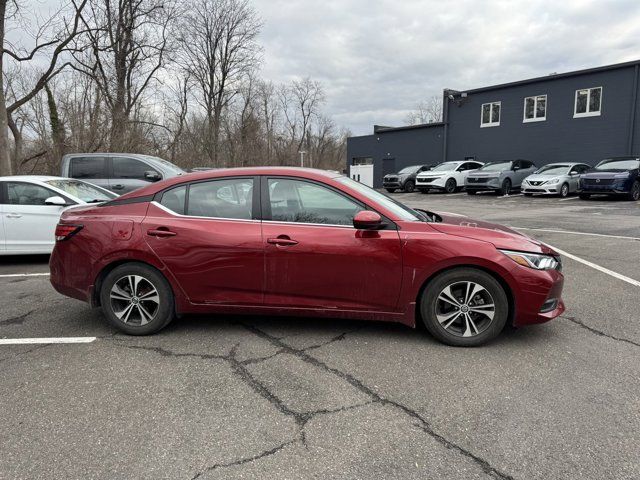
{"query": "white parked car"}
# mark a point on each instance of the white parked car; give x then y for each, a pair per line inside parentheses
(448, 176)
(31, 206)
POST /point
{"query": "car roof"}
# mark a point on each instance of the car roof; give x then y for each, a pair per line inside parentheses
(308, 173)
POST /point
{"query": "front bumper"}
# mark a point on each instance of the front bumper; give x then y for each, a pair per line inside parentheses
(606, 189)
(430, 184)
(391, 184)
(542, 189)
(486, 184)
(540, 299)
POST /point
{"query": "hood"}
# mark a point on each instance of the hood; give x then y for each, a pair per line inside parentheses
(543, 177)
(439, 173)
(483, 174)
(604, 173)
(499, 235)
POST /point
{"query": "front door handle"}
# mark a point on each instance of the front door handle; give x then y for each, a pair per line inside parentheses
(14, 215)
(119, 186)
(161, 232)
(281, 242)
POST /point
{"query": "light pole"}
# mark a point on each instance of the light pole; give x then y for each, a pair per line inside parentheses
(302, 153)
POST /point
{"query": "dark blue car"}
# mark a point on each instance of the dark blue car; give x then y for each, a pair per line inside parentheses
(613, 176)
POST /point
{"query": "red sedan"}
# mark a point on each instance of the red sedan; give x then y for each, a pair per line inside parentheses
(299, 242)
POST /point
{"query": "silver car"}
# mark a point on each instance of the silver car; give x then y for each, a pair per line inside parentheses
(554, 179)
(501, 177)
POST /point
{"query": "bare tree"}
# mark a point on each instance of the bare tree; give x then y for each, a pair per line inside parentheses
(427, 111)
(219, 50)
(123, 49)
(51, 40)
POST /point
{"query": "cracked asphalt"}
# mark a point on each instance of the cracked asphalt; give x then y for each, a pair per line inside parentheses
(227, 397)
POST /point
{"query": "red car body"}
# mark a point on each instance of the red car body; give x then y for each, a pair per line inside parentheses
(217, 265)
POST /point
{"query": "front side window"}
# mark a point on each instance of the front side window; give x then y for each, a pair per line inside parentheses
(87, 167)
(588, 102)
(130, 168)
(229, 198)
(535, 109)
(27, 194)
(306, 202)
(490, 114)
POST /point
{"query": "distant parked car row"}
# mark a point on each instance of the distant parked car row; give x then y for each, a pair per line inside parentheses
(614, 176)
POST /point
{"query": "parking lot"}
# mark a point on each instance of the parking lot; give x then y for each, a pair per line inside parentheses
(286, 398)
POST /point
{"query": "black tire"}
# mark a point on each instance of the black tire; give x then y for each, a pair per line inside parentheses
(391, 190)
(160, 312)
(506, 187)
(471, 192)
(634, 193)
(564, 190)
(450, 185)
(429, 303)
(585, 196)
(409, 186)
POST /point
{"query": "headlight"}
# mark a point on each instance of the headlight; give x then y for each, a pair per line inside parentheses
(533, 260)
(553, 180)
(622, 175)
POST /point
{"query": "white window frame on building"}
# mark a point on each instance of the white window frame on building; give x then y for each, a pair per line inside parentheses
(589, 112)
(491, 122)
(537, 115)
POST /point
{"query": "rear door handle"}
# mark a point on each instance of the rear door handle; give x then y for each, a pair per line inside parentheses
(119, 186)
(282, 242)
(14, 215)
(161, 232)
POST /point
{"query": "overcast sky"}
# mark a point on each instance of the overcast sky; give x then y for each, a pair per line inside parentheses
(378, 58)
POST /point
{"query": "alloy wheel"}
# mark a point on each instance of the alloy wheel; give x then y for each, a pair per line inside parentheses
(465, 309)
(564, 190)
(134, 300)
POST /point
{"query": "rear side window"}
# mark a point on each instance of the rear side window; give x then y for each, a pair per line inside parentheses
(87, 167)
(229, 198)
(174, 199)
(130, 168)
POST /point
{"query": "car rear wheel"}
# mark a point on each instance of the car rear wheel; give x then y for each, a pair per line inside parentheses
(634, 194)
(464, 307)
(409, 186)
(564, 190)
(391, 190)
(506, 187)
(450, 186)
(585, 196)
(137, 299)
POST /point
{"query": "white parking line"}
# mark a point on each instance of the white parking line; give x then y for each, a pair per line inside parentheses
(569, 198)
(617, 275)
(24, 275)
(31, 341)
(511, 196)
(622, 237)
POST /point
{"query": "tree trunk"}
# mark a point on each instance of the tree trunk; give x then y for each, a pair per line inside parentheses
(5, 156)
(57, 132)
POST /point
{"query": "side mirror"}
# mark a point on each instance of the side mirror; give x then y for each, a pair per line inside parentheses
(367, 220)
(56, 200)
(515, 169)
(152, 176)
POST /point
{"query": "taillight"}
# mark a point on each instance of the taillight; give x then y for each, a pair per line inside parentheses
(65, 231)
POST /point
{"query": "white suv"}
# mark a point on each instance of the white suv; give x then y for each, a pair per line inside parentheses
(448, 176)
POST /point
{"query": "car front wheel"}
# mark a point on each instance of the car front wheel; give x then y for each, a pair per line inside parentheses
(409, 186)
(506, 187)
(564, 190)
(137, 299)
(464, 307)
(450, 186)
(634, 194)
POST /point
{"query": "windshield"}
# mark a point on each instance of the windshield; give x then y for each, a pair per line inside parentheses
(403, 212)
(164, 162)
(412, 169)
(627, 164)
(444, 167)
(554, 169)
(495, 167)
(84, 191)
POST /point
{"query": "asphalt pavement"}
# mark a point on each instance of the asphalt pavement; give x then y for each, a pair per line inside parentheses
(230, 397)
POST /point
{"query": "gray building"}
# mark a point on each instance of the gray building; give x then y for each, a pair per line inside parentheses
(581, 116)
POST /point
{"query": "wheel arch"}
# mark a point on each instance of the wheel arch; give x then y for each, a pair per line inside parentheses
(499, 278)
